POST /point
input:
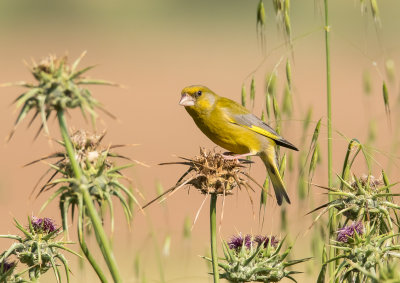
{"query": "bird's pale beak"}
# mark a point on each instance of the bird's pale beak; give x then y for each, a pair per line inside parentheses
(186, 100)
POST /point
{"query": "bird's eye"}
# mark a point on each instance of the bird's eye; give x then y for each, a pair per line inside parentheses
(199, 93)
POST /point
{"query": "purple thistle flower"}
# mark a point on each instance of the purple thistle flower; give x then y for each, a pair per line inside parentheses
(238, 241)
(265, 240)
(6, 266)
(41, 225)
(349, 231)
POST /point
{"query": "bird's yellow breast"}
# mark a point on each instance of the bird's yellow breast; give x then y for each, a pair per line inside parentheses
(216, 125)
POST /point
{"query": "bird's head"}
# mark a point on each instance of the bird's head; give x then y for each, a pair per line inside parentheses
(198, 98)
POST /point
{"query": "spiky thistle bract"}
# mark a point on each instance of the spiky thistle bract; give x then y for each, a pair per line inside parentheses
(365, 198)
(256, 259)
(38, 249)
(363, 252)
(102, 177)
(58, 86)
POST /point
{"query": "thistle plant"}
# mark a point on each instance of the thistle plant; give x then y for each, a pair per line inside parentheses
(212, 174)
(366, 198)
(38, 249)
(256, 259)
(7, 270)
(58, 88)
(362, 252)
(102, 178)
(360, 248)
(102, 175)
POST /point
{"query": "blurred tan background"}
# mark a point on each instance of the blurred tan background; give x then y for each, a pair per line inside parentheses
(154, 49)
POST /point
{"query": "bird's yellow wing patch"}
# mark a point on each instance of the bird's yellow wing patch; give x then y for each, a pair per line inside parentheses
(263, 132)
(258, 130)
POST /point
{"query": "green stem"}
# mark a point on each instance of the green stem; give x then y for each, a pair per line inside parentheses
(84, 247)
(213, 232)
(332, 216)
(101, 236)
(68, 145)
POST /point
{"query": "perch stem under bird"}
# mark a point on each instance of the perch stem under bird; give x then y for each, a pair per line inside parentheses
(233, 127)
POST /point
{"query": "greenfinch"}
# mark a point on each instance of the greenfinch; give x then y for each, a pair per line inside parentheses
(233, 127)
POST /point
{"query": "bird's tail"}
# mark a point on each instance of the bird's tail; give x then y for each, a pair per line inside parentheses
(271, 163)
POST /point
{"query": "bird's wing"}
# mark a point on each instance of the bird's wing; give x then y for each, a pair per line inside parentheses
(254, 124)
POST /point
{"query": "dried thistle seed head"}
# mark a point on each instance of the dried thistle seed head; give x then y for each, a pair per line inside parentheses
(88, 148)
(84, 140)
(214, 174)
(101, 176)
(367, 181)
(48, 66)
(210, 172)
(59, 87)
